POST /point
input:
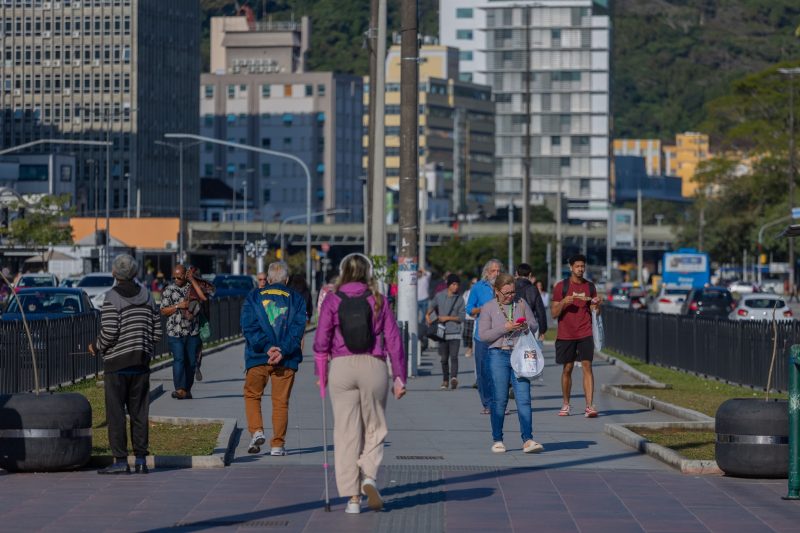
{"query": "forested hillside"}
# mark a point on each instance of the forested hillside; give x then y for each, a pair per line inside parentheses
(670, 57)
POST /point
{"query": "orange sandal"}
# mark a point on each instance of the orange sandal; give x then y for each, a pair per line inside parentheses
(564, 410)
(590, 412)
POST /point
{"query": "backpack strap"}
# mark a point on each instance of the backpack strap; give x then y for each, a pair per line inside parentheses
(592, 290)
(564, 287)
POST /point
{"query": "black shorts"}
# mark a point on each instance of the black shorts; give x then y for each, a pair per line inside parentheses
(574, 350)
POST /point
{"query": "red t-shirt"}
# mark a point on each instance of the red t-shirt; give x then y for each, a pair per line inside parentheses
(576, 320)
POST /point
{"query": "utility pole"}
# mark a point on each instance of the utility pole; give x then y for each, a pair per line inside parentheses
(378, 238)
(559, 251)
(233, 227)
(457, 155)
(511, 236)
(371, 39)
(107, 261)
(526, 182)
(244, 226)
(639, 249)
(409, 177)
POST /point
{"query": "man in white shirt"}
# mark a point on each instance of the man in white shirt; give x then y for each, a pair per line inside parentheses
(423, 292)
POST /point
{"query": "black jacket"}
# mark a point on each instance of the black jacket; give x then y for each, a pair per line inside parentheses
(528, 292)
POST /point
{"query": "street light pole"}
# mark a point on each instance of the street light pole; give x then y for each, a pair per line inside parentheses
(233, 227)
(301, 217)
(268, 152)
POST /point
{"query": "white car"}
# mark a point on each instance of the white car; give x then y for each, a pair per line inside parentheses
(740, 287)
(761, 306)
(669, 300)
(96, 285)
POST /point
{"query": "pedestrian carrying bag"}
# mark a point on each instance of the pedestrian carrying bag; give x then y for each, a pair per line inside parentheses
(355, 322)
(598, 335)
(527, 357)
(436, 332)
(205, 328)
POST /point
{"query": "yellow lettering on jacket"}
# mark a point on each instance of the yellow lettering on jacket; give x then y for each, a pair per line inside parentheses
(274, 292)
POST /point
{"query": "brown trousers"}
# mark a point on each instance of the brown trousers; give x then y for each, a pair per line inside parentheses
(255, 382)
(358, 386)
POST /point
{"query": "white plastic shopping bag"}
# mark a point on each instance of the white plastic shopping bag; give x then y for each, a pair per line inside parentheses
(527, 358)
(597, 331)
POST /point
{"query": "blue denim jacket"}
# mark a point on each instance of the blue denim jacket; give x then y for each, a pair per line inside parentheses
(273, 316)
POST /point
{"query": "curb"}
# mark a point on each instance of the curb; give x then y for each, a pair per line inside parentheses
(622, 433)
(658, 405)
(219, 458)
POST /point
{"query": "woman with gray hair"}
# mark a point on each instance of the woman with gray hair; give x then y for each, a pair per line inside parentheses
(482, 292)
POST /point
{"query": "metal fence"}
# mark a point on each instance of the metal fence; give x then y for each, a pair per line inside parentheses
(61, 346)
(738, 351)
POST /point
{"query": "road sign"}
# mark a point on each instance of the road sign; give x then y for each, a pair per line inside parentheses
(796, 212)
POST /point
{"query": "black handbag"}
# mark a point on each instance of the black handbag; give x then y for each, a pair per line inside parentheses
(436, 331)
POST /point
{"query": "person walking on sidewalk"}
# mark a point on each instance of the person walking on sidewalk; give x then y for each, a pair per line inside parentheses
(503, 320)
(573, 299)
(130, 327)
(524, 284)
(482, 292)
(183, 331)
(273, 324)
(355, 333)
(449, 308)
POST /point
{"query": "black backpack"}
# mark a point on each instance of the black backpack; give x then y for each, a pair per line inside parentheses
(355, 322)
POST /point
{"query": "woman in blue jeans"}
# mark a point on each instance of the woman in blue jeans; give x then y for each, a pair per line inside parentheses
(502, 322)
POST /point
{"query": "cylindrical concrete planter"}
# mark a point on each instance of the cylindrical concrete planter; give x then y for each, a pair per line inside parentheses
(753, 438)
(45, 432)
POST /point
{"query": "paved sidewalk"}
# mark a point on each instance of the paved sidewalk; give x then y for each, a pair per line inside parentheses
(438, 473)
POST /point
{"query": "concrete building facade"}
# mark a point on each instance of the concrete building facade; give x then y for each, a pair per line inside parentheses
(456, 131)
(259, 94)
(97, 70)
(547, 62)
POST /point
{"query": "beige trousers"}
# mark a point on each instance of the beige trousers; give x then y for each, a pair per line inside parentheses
(358, 385)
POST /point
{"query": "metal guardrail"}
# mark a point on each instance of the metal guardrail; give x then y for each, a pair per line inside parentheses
(731, 350)
(61, 346)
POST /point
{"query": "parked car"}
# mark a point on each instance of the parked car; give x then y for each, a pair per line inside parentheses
(618, 296)
(669, 300)
(36, 280)
(713, 302)
(232, 285)
(761, 307)
(741, 287)
(47, 302)
(70, 281)
(96, 285)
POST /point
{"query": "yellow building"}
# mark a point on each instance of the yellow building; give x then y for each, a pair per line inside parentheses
(455, 129)
(682, 160)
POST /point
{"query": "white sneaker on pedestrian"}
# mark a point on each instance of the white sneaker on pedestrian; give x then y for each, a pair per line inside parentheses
(370, 490)
(278, 451)
(353, 507)
(256, 442)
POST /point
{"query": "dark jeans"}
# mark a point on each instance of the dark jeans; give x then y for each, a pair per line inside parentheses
(133, 392)
(448, 351)
(499, 369)
(184, 357)
(480, 351)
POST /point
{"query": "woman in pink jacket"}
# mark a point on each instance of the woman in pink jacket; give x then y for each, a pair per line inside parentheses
(350, 351)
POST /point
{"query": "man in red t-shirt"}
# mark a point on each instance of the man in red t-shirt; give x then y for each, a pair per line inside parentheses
(572, 308)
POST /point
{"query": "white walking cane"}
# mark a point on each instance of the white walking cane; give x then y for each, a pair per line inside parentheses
(325, 452)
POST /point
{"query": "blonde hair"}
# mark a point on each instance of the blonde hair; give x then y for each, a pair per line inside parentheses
(502, 280)
(356, 268)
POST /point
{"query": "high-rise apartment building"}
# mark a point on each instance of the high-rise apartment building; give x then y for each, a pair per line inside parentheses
(120, 70)
(547, 62)
(462, 24)
(456, 131)
(260, 96)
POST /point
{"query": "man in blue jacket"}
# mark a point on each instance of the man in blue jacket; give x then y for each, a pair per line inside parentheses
(482, 292)
(273, 323)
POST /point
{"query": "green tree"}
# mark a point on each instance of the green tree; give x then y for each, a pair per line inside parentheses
(44, 224)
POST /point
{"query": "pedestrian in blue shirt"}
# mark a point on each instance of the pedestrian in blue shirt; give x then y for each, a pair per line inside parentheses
(482, 292)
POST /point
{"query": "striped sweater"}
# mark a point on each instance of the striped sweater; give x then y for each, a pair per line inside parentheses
(130, 327)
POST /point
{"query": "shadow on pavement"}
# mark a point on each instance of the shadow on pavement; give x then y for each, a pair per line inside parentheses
(569, 445)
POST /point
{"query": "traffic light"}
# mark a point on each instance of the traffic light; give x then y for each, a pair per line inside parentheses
(762, 259)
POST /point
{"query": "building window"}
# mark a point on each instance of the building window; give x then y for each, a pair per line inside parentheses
(287, 141)
(288, 118)
(464, 13)
(321, 89)
(209, 91)
(267, 196)
(208, 120)
(243, 88)
(555, 141)
(231, 118)
(265, 91)
(309, 90)
(265, 170)
(231, 91)
(465, 55)
(209, 169)
(464, 35)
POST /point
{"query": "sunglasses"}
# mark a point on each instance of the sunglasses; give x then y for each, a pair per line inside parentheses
(262, 279)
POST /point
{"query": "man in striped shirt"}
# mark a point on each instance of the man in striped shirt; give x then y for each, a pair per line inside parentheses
(130, 327)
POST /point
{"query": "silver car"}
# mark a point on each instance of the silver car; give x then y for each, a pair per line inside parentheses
(761, 306)
(669, 301)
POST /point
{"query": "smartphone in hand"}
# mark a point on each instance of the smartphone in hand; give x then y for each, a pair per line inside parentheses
(521, 320)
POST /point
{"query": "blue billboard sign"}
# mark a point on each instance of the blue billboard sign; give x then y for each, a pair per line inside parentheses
(686, 268)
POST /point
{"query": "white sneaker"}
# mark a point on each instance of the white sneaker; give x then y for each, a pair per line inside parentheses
(278, 451)
(370, 490)
(256, 442)
(353, 507)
